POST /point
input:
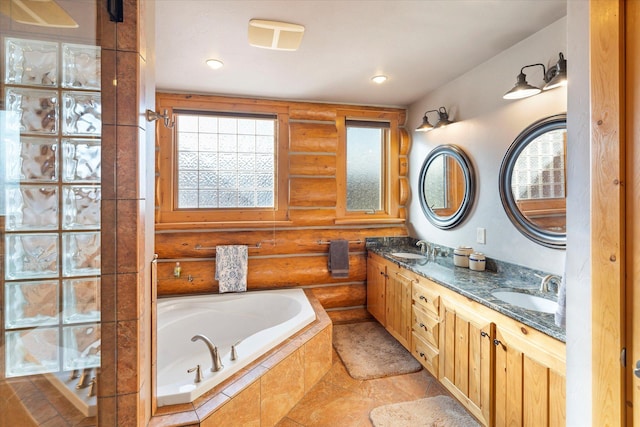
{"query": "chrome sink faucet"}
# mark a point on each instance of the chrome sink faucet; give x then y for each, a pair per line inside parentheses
(544, 284)
(425, 247)
(215, 355)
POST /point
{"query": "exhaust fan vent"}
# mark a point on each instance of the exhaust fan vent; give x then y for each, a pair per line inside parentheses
(275, 35)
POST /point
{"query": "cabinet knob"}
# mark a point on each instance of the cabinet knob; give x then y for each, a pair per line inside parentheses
(483, 334)
(421, 354)
(422, 297)
(497, 342)
(422, 326)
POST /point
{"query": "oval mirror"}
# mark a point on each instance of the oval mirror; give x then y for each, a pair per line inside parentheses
(446, 186)
(533, 181)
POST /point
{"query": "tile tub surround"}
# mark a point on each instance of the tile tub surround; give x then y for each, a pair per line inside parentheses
(475, 285)
(266, 390)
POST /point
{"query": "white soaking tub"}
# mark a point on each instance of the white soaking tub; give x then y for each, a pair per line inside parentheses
(258, 320)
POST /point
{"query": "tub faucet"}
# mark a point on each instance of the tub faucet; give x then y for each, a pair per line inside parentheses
(544, 284)
(215, 356)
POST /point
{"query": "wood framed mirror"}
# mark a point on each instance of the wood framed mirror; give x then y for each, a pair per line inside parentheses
(446, 186)
(532, 181)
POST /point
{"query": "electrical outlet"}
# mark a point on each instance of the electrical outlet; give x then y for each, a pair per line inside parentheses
(481, 235)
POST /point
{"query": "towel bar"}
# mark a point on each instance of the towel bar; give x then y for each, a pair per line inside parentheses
(323, 242)
(258, 245)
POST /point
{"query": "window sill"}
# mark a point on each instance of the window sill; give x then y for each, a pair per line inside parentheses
(369, 220)
(201, 226)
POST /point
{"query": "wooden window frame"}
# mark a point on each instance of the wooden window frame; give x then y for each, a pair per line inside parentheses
(167, 214)
(391, 160)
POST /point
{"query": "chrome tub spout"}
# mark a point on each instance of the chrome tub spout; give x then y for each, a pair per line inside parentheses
(215, 355)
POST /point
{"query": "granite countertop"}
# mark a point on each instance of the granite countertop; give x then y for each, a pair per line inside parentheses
(476, 285)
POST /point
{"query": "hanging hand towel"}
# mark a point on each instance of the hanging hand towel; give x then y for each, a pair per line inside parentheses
(231, 268)
(339, 258)
(561, 312)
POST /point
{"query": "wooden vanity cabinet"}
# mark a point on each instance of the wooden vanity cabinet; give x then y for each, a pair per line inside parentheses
(529, 378)
(398, 304)
(504, 372)
(466, 358)
(389, 297)
(425, 325)
(376, 287)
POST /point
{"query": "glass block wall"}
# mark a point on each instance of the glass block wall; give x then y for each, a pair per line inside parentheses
(51, 200)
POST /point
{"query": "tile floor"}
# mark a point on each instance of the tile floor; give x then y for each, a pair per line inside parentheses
(338, 400)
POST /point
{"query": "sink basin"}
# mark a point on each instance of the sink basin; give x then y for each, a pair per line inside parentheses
(408, 255)
(529, 302)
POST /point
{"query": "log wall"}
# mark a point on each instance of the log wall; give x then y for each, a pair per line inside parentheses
(292, 253)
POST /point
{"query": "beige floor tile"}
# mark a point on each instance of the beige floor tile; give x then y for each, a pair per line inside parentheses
(340, 400)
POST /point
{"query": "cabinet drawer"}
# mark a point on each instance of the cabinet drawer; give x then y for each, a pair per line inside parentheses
(426, 354)
(426, 299)
(425, 326)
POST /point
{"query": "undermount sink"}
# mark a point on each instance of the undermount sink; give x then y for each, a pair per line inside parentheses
(408, 255)
(526, 301)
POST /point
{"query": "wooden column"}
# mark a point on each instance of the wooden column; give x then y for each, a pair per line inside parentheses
(607, 209)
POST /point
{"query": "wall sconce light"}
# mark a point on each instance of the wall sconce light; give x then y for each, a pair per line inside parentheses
(443, 120)
(554, 77)
(152, 116)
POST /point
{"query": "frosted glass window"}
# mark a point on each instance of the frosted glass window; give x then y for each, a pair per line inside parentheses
(365, 166)
(225, 161)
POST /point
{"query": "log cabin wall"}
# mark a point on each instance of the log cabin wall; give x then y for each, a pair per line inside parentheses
(291, 253)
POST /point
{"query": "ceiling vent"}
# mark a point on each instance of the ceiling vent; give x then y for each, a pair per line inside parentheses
(275, 35)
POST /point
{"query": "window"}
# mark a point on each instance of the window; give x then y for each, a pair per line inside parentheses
(366, 142)
(368, 166)
(223, 162)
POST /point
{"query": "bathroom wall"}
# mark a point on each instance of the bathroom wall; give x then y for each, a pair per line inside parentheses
(292, 252)
(485, 126)
(578, 270)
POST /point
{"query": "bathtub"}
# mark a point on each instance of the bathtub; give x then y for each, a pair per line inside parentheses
(258, 320)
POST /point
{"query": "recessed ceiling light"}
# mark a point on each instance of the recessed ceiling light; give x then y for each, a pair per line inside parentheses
(215, 64)
(379, 79)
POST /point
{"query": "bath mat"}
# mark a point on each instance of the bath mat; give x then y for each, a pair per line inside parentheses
(438, 411)
(369, 351)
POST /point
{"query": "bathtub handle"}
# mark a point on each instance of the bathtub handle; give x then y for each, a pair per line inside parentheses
(198, 373)
(234, 352)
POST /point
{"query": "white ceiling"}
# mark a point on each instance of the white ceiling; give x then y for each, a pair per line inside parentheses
(419, 44)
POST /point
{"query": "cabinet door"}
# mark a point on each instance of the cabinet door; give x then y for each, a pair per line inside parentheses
(466, 358)
(398, 299)
(376, 289)
(527, 391)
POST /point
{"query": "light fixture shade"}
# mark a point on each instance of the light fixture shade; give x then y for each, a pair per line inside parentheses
(444, 118)
(559, 73)
(425, 126)
(522, 89)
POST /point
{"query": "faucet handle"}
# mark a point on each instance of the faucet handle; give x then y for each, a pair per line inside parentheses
(198, 373)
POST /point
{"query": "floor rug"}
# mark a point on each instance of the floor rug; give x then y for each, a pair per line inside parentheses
(438, 411)
(369, 351)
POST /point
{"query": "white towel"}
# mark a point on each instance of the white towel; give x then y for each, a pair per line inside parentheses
(561, 311)
(231, 268)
